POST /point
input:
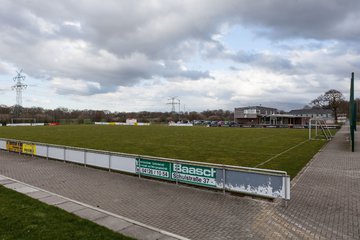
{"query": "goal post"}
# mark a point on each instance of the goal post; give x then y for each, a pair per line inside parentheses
(318, 129)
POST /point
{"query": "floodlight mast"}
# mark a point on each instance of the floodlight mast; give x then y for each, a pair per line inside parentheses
(19, 87)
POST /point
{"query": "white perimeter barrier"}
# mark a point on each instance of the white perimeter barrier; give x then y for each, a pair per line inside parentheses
(24, 124)
(253, 181)
(122, 123)
(172, 124)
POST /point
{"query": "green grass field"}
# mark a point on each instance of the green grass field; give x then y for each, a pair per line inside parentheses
(22, 217)
(231, 146)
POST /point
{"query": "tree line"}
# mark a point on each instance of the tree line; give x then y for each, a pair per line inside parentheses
(332, 99)
(71, 116)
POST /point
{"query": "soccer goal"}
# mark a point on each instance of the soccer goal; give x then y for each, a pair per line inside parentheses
(318, 129)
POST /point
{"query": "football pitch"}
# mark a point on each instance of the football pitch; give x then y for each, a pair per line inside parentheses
(278, 149)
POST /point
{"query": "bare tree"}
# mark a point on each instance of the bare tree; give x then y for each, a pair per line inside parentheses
(332, 99)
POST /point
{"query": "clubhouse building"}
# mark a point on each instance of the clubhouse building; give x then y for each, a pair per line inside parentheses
(265, 116)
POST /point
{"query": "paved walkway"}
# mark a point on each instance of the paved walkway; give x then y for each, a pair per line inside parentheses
(325, 201)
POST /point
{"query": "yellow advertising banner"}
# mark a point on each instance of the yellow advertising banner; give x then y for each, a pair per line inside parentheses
(29, 148)
(21, 147)
(13, 146)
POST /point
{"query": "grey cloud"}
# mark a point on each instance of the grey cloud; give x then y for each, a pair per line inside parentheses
(67, 90)
(131, 72)
(5, 68)
(334, 58)
(232, 68)
(146, 40)
(322, 19)
(120, 28)
(312, 45)
(268, 61)
(195, 75)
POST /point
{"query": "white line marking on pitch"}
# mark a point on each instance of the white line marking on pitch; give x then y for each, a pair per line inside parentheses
(280, 153)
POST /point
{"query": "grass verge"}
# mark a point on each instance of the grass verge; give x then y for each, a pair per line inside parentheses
(22, 217)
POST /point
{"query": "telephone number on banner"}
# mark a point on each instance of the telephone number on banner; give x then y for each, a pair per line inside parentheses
(154, 172)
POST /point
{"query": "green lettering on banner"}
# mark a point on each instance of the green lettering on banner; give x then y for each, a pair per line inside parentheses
(199, 175)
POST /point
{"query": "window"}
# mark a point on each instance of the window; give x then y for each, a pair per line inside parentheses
(250, 111)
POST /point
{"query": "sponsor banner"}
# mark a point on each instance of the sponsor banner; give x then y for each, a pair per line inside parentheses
(153, 168)
(13, 146)
(29, 148)
(198, 175)
(205, 176)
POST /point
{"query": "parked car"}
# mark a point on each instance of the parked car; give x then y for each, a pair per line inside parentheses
(234, 124)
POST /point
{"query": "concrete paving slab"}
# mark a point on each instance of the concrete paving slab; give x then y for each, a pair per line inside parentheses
(167, 238)
(26, 189)
(113, 223)
(141, 233)
(6, 181)
(39, 194)
(53, 200)
(70, 206)
(14, 185)
(89, 214)
(3, 178)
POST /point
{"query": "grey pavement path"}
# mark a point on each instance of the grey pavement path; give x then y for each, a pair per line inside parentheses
(325, 198)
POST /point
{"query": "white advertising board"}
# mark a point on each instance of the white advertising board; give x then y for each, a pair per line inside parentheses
(125, 164)
(2, 144)
(97, 159)
(76, 156)
(56, 153)
(41, 150)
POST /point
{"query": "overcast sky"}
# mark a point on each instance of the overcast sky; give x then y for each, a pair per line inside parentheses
(124, 55)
